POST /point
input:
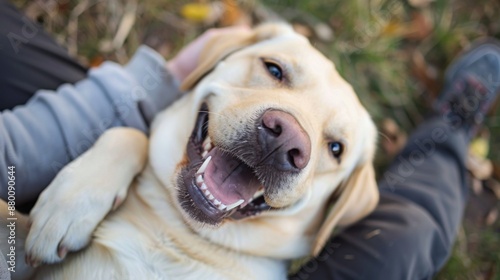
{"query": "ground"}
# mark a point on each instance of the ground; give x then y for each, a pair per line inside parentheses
(394, 53)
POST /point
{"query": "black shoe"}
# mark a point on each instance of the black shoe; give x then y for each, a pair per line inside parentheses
(471, 86)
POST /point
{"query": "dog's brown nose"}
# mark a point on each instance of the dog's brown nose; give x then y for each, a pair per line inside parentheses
(284, 143)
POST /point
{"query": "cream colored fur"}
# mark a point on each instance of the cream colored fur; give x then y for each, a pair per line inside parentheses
(150, 236)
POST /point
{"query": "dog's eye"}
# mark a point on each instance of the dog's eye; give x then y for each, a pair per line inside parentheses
(274, 69)
(336, 148)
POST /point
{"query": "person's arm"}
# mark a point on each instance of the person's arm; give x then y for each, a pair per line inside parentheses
(39, 138)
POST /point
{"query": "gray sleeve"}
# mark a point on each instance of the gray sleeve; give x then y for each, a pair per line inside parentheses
(39, 138)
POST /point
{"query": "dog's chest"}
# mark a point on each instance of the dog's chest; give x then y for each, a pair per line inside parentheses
(159, 254)
(153, 242)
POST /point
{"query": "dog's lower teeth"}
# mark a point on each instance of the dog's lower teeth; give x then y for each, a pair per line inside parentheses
(204, 165)
(234, 205)
(199, 179)
(258, 193)
(207, 141)
(207, 146)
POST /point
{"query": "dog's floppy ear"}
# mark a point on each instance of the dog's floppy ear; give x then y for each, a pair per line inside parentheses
(358, 197)
(224, 44)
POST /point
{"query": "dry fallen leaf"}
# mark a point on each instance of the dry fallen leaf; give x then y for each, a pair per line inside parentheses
(494, 186)
(491, 271)
(425, 73)
(233, 14)
(420, 3)
(393, 138)
(496, 170)
(197, 12)
(420, 27)
(479, 147)
(492, 217)
(324, 32)
(477, 162)
(477, 186)
(393, 28)
(480, 168)
(96, 61)
(302, 29)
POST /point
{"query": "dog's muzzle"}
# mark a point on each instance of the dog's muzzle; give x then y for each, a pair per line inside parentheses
(220, 183)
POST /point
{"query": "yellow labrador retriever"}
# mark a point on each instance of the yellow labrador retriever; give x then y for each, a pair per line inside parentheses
(235, 179)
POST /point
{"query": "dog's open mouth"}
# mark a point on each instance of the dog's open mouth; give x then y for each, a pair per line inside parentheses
(217, 184)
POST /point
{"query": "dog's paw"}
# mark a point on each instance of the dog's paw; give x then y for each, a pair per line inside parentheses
(67, 213)
(82, 194)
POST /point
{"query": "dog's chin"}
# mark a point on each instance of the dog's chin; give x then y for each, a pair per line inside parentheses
(215, 185)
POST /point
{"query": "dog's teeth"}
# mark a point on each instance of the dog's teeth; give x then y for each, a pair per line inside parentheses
(203, 187)
(236, 204)
(207, 193)
(216, 202)
(204, 165)
(221, 207)
(258, 193)
(207, 141)
(204, 154)
(211, 197)
(207, 146)
(199, 179)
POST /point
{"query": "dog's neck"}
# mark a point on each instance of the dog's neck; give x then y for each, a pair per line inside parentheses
(177, 242)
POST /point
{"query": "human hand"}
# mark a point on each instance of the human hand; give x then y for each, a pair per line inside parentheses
(187, 59)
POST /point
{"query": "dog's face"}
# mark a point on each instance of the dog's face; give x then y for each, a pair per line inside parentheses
(273, 131)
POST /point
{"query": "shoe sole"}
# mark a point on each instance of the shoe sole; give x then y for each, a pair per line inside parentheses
(473, 52)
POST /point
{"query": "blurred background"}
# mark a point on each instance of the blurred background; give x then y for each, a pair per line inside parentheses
(394, 53)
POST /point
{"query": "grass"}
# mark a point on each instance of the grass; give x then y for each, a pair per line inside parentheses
(393, 54)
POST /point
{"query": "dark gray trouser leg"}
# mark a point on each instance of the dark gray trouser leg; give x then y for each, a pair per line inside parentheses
(30, 59)
(411, 232)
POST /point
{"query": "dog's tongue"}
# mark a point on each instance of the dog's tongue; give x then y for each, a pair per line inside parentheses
(228, 179)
